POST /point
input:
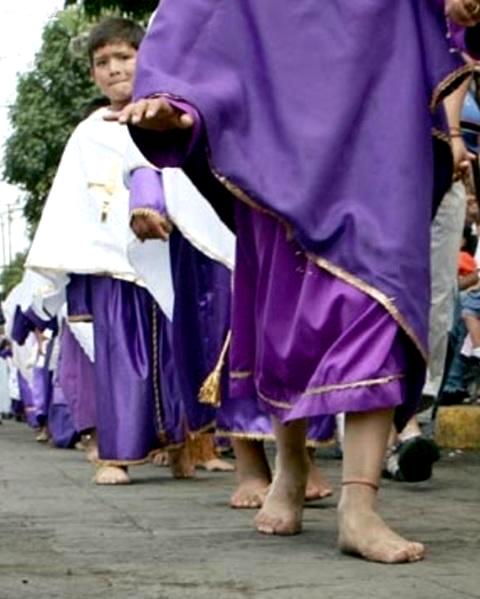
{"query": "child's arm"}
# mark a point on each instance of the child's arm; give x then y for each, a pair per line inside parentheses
(148, 213)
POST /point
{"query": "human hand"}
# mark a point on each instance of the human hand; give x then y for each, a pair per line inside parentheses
(148, 224)
(462, 158)
(155, 114)
(463, 12)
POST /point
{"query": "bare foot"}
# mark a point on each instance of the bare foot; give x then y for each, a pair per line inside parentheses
(282, 509)
(43, 435)
(161, 459)
(216, 465)
(362, 532)
(250, 494)
(253, 474)
(317, 486)
(181, 465)
(112, 475)
(91, 449)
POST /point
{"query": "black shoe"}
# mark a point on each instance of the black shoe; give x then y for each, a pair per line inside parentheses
(416, 457)
(452, 398)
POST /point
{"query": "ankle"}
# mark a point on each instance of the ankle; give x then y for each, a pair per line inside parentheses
(358, 496)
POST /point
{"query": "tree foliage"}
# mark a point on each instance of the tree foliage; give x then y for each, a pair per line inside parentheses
(51, 99)
(12, 274)
(140, 9)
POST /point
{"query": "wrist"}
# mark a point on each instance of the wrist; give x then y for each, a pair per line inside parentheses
(146, 212)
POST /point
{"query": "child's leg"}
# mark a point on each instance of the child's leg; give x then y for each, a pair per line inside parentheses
(283, 507)
(253, 474)
(361, 529)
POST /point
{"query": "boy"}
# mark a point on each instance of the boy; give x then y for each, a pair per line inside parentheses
(84, 231)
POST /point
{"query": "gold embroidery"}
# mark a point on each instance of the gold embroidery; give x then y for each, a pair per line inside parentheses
(445, 86)
(80, 318)
(386, 302)
(376, 294)
(337, 387)
(337, 271)
(110, 188)
(253, 436)
(441, 135)
(156, 374)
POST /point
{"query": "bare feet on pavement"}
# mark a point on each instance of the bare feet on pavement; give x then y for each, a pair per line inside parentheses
(282, 509)
(112, 475)
(253, 475)
(362, 531)
(161, 459)
(181, 465)
(317, 486)
(216, 465)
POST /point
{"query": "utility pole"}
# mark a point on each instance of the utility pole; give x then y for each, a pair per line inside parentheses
(2, 225)
(9, 232)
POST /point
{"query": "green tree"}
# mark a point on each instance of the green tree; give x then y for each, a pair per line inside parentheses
(12, 274)
(51, 99)
(140, 9)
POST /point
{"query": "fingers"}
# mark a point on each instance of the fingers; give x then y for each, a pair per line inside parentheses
(152, 113)
(152, 227)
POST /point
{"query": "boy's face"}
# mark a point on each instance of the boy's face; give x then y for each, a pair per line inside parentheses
(113, 69)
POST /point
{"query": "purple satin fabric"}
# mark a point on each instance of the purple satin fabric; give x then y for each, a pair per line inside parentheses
(294, 344)
(146, 190)
(140, 406)
(76, 377)
(243, 416)
(200, 323)
(60, 422)
(22, 326)
(79, 302)
(306, 145)
(27, 401)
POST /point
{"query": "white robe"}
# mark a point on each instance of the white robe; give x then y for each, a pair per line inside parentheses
(84, 227)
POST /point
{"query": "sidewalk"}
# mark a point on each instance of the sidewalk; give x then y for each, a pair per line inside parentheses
(62, 537)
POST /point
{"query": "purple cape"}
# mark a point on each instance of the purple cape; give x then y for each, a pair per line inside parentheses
(319, 112)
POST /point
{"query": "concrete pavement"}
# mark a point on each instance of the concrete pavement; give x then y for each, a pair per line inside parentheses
(62, 537)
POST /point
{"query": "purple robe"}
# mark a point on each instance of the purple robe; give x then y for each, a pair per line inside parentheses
(60, 421)
(38, 395)
(200, 324)
(77, 383)
(340, 154)
(138, 404)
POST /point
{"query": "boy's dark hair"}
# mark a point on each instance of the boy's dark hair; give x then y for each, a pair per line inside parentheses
(111, 30)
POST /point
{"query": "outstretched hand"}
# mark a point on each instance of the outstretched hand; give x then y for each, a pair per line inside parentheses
(151, 226)
(155, 114)
(463, 12)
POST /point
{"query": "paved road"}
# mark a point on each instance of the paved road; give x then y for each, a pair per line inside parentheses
(62, 537)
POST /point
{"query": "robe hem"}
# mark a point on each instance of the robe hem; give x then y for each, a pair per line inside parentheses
(310, 392)
(254, 436)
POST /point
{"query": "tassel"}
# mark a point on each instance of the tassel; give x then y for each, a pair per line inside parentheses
(210, 391)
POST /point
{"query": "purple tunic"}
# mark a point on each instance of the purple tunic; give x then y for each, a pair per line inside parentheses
(343, 160)
(308, 147)
(76, 379)
(200, 324)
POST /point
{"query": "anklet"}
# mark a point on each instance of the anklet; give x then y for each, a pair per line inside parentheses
(366, 483)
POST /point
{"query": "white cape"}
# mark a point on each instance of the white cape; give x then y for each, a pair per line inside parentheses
(191, 213)
(84, 227)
